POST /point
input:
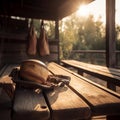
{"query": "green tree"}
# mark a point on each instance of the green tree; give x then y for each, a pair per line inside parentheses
(90, 35)
(68, 35)
(81, 33)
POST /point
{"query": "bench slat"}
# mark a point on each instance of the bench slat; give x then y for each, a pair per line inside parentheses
(97, 73)
(92, 66)
(30, 105)
(8, 69)
(112, 77)
(64, 101)
(5, 101)
(100, 101)
(3, 69)
(5, 81)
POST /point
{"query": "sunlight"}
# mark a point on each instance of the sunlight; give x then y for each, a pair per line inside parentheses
(83, 11)
(95, 8)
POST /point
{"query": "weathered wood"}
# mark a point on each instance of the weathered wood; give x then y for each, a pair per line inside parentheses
(110, 34)
(57, 38)
(14, 51)
(5, 92)
(96, 67)
(8, 69)
(5, 81)
(63, 101)
(100, 101)
(0, 90)
(110, 75)
(5, 106)
(29, 105)
(66, 105)
(13, 36)
(111, 86)
(93, 83)
(47, 10)
(81, 72)
(7, 85)
(3, 69)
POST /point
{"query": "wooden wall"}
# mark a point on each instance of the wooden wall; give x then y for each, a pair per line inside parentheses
(12, 39)
(13, 42)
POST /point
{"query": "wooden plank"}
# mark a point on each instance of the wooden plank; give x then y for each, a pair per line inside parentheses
(5, 106)
(8, 69)
(57, 38)
(4, 76)
(14, 59)
(99, 70)
(0, 90)
(3, 69)
(66, 105)
(53, 48)
(100, 101)
(14, 46)
(92, 66)
(5, 99)
(29, 105)
(104, 76)
(93, 83)
(5, 81)
(13, 36)
(96, 67)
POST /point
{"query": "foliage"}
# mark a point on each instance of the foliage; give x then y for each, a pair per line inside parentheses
(68, 36)
(90, 35)
(50, 28)
(80, 33)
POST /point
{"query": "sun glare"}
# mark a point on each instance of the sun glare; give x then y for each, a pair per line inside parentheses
(95, 8)
(83, 11)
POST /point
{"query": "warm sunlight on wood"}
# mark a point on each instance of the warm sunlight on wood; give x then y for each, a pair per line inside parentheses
(83, 11)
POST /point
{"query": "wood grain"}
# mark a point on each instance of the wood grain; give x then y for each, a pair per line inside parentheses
(112, 76)
(30, 105)
(66, 105)
(100, 101)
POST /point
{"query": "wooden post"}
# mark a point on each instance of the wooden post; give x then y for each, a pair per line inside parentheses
(111, 86)
(57, 38)
(110, 34)
(1, 51)
(80, 72)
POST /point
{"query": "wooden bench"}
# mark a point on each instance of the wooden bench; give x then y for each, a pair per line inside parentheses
(81, 99)
(110, 75)
(6, 88)
(58, 104)
(29, 105)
